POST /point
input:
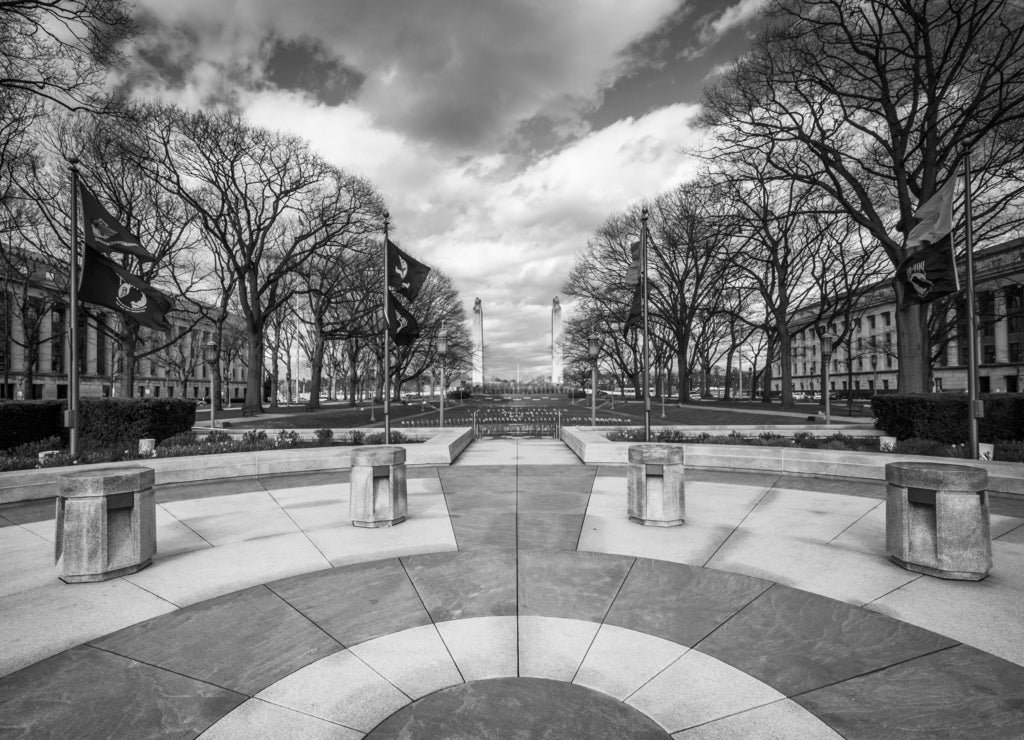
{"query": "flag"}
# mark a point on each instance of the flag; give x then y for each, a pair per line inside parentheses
(636, 310)
(104, 234)
(402, 325)
(928, 273)
(936, 216)
(108, 284)
(633, 271)
(406, 274)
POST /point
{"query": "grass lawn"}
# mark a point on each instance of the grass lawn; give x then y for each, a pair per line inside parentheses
(460, 413)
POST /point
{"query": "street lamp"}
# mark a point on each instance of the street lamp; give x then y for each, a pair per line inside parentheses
(874, 370)
(593, 348)
(442, 352)
(210, 355)
(828, 339)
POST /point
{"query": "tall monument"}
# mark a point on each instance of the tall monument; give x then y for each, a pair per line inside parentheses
(556, 342)
(478, 343)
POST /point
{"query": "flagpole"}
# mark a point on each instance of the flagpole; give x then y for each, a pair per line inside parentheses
(387, 340)
(975, 407)
(647, 343)
(71, 417)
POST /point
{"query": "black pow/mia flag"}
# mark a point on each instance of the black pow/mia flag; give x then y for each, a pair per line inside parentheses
(405, 274)
(104, 233)
(107, 283)
(927, 274)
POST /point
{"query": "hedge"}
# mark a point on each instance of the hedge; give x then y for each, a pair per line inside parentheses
(943, 416)
(30, 421)
(115, 421)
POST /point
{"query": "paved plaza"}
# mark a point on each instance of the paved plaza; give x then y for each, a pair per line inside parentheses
(517, 600)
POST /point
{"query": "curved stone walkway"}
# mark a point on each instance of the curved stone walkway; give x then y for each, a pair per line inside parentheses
(694, 629)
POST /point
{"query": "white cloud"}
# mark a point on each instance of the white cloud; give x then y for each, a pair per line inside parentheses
(732, 17)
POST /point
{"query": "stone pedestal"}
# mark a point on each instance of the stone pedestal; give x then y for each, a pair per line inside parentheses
(936, 519)
(378, 487)
(106, 523)
(654, 481)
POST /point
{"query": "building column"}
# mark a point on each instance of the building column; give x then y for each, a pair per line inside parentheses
(1001, 328)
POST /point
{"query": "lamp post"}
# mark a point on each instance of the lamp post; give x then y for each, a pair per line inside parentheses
(874, 370)
(593, 348)
(442, 352)
(828, 339)
(210, 355)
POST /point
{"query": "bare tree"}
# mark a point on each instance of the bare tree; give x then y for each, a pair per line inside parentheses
(879, 97)
(263, 199)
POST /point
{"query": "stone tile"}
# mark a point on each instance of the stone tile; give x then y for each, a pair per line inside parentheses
(225, 519)
(26, 560)
(427, 528)
(356, 603)
(339, 688)
(257, 718)
(986, 614)
(696, 689)
(465, 584)
(464, 477)
(243, 641)
(36, 623)
(679, 602)
(415, 660)
(796, 641)
(304, 480)
(548, 531)
(315, 507)
(806, 515)
(485, 503)
(88, 693)
(173, 537)
(570, 585)
(552, 502)
(959, 692)
(25, 512)
(205, 489)
(483, 647)
(190, 577)
(482, 530)
(621, 660)
(550, 647)
(521, 708)
(781, 720)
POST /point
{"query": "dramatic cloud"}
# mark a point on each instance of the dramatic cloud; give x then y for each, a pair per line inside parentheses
(501, 134)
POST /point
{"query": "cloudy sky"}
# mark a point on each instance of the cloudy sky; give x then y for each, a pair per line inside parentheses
(501, 133)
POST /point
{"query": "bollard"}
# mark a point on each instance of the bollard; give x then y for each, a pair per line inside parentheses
(106, 523)
(655, 485)
(378, 497)
(937, 519)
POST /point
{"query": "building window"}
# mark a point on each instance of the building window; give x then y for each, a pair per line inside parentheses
(156, 392)
(871, 385)
(1015, 355)
(170, 391)
(886, 319)
(885, 384)
(871, 323)
(888, 361)
(856, 385)
(938, 384)
(989, 354)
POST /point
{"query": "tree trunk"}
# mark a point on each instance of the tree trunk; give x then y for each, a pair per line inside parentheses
(914, 365)
(254, 382)
(316, 362)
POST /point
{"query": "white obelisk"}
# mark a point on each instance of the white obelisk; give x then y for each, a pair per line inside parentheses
(556, 342)
(478, 343)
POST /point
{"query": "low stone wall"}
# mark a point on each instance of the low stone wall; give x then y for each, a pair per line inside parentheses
(593, 448)
(440, 447)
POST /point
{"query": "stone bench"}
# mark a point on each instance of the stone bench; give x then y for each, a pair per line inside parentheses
(655, 485)
(937, 519)
(378, 497)
(106, 523)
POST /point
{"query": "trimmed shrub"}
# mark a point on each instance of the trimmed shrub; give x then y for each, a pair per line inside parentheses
(943, 416)
(120, 421)
(29, 421)
(459, 395)
(324, 436)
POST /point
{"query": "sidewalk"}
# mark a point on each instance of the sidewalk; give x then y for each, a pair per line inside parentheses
(773, 608)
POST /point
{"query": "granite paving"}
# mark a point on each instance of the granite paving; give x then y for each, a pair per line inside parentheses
(519, 594)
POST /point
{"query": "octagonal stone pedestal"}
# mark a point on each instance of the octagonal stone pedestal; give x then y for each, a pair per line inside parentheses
(378, 487)
(937, 519)
(106, 523)
(654, 482)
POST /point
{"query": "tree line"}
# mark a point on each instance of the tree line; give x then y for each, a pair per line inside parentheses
(254, 233)
(818, 146)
